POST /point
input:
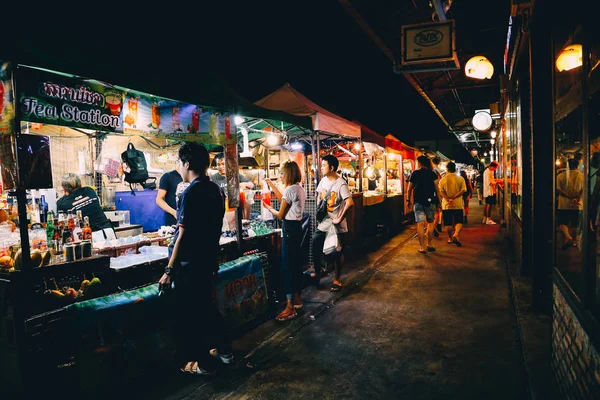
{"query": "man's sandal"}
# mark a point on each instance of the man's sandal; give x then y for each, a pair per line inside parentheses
(193, 368)
(286, 315)
(335, 287)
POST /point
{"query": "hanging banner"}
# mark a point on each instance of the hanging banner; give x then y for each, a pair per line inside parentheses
(61, 99)
(7, 110)
(241, 291)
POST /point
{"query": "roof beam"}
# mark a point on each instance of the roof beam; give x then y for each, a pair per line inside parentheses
(461, 87)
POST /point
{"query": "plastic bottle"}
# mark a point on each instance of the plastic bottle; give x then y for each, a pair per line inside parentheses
(266, 199)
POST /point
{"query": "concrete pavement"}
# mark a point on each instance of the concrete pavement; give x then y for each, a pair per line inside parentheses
(406, 325)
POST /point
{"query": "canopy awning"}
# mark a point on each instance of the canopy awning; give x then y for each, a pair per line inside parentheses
(288, 99)
(392, 143)
(370, 136)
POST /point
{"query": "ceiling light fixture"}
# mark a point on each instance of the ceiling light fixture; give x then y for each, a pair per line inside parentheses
(493, 133)
(238, 120)
(479, 67)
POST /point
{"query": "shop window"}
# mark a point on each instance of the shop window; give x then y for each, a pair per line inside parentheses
(514, 162)
(569, 151)
(593, 77)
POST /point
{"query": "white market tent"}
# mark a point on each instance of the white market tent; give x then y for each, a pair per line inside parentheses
(288, 99)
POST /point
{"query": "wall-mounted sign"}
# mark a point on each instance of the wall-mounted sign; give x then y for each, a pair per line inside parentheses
(427, 43)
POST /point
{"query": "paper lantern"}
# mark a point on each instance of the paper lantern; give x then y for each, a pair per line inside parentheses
(571, 57)
(479, 67)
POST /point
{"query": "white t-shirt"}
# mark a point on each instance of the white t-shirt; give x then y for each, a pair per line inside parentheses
(295, 196)
(339, 192)
(489, 183)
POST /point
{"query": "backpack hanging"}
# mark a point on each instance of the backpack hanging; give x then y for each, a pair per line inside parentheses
(138, 169)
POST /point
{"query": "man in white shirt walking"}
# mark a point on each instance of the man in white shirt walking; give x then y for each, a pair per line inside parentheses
(489, 192)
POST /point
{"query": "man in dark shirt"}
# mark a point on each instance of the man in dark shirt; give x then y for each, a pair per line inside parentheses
(86, 200)
(193, 265)
(166, 196)
(424, 184)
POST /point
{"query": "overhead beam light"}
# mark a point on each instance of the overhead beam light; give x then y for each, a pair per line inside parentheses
(479, 67)
(238, 120)
(297, 146)
(570, 58)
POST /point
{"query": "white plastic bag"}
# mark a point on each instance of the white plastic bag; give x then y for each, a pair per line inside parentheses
(332, 243)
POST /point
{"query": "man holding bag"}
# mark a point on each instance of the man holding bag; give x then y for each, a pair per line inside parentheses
(336, 192)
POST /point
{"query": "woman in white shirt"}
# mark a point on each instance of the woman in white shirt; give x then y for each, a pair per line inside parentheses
(290, 212)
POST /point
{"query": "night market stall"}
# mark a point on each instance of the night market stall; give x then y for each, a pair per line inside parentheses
(65, 283)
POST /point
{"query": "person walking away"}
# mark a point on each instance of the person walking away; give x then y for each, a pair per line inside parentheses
(292, 205)
(422, 189)
(193, 266)
(452, 188)
(466, 195)
(339, 201)
(171, 185)
(438, 210)
(489, 192)
(569, 186)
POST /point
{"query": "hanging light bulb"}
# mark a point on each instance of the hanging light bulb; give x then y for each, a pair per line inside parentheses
(569, 58)
(492, 141)
(479, 67)
(357, 146)
(557, 161)
(272, 140)
(493, 133)
(485, 153)
(238, 120)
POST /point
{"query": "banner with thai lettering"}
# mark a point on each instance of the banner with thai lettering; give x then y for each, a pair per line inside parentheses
(7, 110)
(61, 99)
(241, 290)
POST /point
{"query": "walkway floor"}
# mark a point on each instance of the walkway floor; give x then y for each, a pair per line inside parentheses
(440, 325)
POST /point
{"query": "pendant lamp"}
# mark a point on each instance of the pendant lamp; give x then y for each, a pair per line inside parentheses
(569, 58)
(479, 67)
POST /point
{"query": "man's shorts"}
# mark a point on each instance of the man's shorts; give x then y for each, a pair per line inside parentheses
(490, 200)
(424, 213)
(452, 217)
(569, 217)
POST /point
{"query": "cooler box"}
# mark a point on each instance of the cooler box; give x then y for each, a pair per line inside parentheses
(142, 209)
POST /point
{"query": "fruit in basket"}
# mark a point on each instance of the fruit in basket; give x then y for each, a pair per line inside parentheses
(57, 293)
(46, 257)
(84, 285)
(94, 282)
(36, 257)
(3, 215)
(6, 262)
(71, 293)
(19, 260)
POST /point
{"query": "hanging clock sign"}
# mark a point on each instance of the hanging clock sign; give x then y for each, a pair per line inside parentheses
(482, 121)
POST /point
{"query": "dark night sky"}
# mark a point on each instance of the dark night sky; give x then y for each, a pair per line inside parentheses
(255, 45)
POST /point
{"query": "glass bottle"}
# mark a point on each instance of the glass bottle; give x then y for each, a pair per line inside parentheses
(50, 226)
(71, 220)
(87, 230)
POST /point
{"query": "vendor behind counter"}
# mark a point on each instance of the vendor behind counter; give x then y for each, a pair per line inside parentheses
(86, 200)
